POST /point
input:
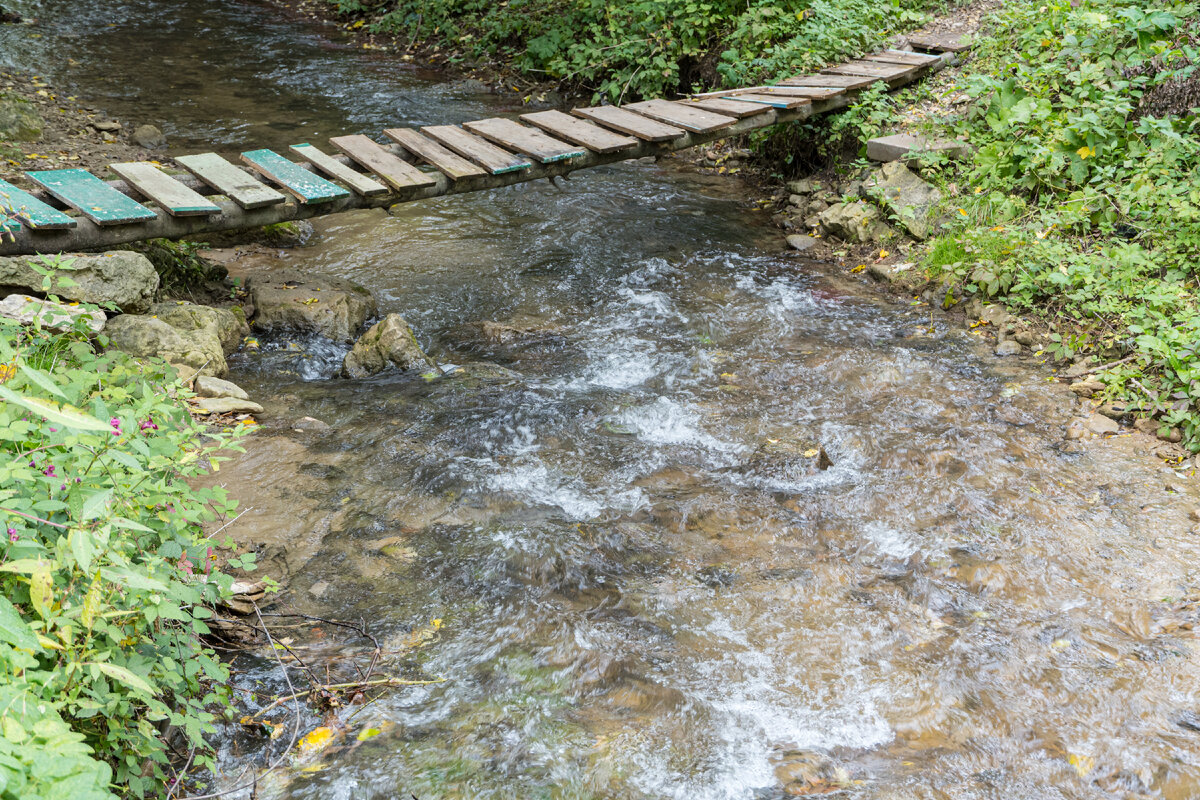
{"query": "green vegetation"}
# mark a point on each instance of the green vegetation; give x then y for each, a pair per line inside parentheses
(105, 576)
(647, 48)
(1083, 206)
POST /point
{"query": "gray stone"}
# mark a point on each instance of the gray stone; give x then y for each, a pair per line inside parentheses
(1008, 348)
(48, 314)
(1077, 429)
(19, 120)
(806, 186)
(310, 424)
(904, 146)
(389, 341)
(855, 222)
(289, 301)
(1025, 337)
(149, 137)
(1173, 435)
(192, 352)
(799, 242)
(120, 278)
(910, 199)
(797, 200)
(207, 386)
(1194, 514)
(225, 405)
(1087, 388)
(228, 326)
(889, 273)
(995, 315)
(1100, 424)
(107, 125)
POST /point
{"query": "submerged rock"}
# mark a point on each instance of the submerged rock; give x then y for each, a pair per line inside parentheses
(119, 278)
(910, 199)
(855, 222)
(390, 341)
(149, 137)
(48, 314)
(288, 301)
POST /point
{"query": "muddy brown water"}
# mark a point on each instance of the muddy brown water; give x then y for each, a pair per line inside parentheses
(645, 587)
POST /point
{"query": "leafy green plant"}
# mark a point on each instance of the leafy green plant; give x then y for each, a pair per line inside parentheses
(105, 575)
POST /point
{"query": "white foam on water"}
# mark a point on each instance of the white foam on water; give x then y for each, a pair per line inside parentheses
(537, 484)
(668, 422)
(889, 541)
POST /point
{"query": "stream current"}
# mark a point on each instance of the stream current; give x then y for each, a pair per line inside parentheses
(645, 586)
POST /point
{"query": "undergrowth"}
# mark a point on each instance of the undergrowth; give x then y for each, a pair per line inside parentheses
(1083, 205)
(626, 49)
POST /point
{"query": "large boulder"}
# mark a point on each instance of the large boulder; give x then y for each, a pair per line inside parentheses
(388, 342)
(855, 222)
(19, 121)
(291, 302)
(192, 352)
(228, 326)
(910, 199)
(120, 278)
(48, 314)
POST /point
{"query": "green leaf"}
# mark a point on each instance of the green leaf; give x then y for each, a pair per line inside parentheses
(124, 676)
(14, 630)
(82, 548)
(60, 415)
(41, 379)
(95, 505)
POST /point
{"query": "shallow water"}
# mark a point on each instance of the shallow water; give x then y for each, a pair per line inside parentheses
(646, 587)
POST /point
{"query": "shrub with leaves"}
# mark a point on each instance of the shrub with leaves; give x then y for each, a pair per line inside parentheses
(105, 578)
(1084, 199)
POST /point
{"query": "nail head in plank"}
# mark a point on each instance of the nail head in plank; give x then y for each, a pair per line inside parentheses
(883, 72)
(773, 101)
(579, 131)
(304, 185)
(94, 198)
(171, 195)
(728, 106)
(453, 165)
(524, 139)
(395, 171)
(474, 148)
(230, 181)
(33, 212)
(847, 82)
(628, 122)
(901, 57)
(360, 183)
(672, 113)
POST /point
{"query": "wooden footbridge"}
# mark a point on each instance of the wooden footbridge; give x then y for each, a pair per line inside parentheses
(72, 209)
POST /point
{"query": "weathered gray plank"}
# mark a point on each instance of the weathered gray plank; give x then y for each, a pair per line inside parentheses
(364, 185)
(580, 131)
(728, 107)
(453, 165)
(811, 92)
(901, 57)
(941, 43)
(847, 82)
(772, 100)
(523, 139)
(883, 72)
(494, 159)
(177, 199)
(368, 154)
(230, 181)
(91, 196)
(690, 119)
(628, 122)
(33, 212)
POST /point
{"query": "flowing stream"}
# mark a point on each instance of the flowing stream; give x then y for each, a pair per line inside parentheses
(644, 585)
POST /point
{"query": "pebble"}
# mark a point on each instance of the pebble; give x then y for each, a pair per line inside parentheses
(1077, 429)
(799, 242)
(1100, 424)
(107, 126)
(1194, 514)
(1008, 348)
(1087, 388)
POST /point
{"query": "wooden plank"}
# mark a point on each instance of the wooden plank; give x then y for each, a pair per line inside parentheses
(230, 181)
(901, 57)
(847, 82)
(481, 151)
(772, 100)
(91, 196)
(728, 107)
(811, 92)
(523, 139)
(453, 165)
(395, 171)
(883, 72)
(726, 92)
(691, 119)
(628, 122)
(33, 212)
(941, 42)
(305, 185)
(364, 185)
(171, 195)
(579, 131)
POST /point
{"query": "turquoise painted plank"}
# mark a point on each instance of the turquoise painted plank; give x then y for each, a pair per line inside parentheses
(94, 198)
(305, 185)
(31, 211)
(9, 224)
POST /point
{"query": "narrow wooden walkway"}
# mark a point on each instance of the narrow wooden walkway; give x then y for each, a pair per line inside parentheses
(72, 209)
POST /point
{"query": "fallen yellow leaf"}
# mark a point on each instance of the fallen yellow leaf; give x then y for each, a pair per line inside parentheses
(316, 740)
